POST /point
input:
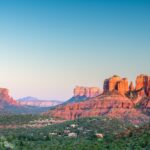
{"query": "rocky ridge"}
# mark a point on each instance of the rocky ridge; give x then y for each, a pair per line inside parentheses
(119, 99)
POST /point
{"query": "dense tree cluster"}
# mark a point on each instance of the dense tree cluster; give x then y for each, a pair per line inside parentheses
(116, 135)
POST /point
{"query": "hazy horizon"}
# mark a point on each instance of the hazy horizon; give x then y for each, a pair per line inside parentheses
(49, 47)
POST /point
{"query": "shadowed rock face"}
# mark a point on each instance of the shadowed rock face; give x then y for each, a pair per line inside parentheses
(86, 91)
(143, 81)
(131, 86)
(116, 83)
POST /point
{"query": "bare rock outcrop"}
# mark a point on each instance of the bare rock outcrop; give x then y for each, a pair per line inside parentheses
(122, 86)
(116, 83)
(143, 84)
(118, 99)
(100, 105)
(5, 98)
(86, 91)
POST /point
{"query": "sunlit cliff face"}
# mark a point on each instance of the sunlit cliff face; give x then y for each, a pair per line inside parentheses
(116, 83)
(5, 97)
(86, 91)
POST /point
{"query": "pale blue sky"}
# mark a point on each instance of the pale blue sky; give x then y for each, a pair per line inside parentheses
(49, 46)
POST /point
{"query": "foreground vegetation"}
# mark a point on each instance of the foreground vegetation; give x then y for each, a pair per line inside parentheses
(17, 119)
(76, 135)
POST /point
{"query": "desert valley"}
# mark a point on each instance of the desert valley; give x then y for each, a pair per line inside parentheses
(121, 110)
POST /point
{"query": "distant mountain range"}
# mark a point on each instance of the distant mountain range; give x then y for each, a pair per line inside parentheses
(32, 101)
(28, 98)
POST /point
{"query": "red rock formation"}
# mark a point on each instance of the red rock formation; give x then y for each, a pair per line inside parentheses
(86, 91)
(143, 81)
(79, 91)
(122, 86)
(100, 105)
(116, 83)
(140, 84)
(113, 101)
(93, 91)
(4, 96)
(110, 84)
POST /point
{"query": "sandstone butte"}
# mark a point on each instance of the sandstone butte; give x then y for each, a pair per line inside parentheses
(86, 91)
(5, 98)
(116, 83)
(115, 100)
